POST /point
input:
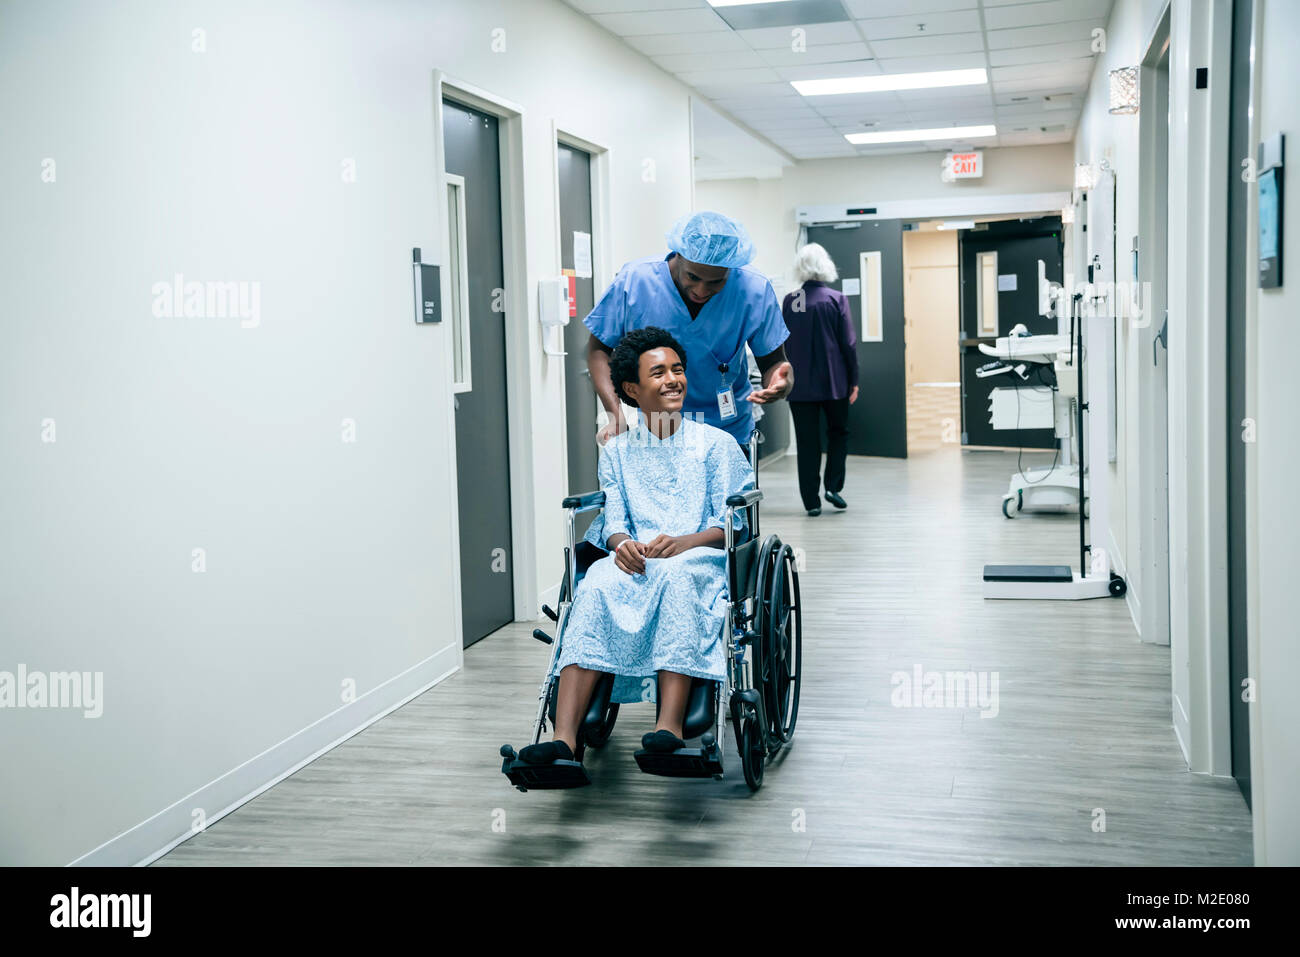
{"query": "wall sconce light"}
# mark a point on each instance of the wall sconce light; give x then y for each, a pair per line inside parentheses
(1124, 90)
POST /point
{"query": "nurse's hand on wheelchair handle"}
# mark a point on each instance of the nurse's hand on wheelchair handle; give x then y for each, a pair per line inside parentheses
(615, 426)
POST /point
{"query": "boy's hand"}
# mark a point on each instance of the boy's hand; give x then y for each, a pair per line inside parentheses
(666, 546)
(630, 556)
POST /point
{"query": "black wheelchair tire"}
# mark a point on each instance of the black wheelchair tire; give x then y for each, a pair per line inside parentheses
(600, 737)
(753, 754)
(783, 640)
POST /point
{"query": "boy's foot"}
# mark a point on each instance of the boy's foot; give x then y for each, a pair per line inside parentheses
(546, 752)
(835, 499)
(661, 741)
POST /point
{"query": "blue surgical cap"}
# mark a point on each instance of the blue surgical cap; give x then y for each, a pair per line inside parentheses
(710, 239)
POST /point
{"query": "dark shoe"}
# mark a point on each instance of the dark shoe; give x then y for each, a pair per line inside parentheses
(546, 752)
(834, 499)
(814, 512)
(661, 742)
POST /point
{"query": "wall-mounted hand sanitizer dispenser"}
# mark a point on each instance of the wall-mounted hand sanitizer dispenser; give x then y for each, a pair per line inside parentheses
(553, 313)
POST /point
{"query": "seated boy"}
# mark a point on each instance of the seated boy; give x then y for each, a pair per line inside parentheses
(657, 604)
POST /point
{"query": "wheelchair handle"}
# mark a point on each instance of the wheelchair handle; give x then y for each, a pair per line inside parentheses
(585, 502)
(745, 499)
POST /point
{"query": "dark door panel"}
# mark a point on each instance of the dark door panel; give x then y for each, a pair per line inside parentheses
(878, 420)
(470, 141)
(580, 397)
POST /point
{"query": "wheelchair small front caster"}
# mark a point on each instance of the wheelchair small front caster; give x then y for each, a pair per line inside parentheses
(1118, 587)
(753, 751)
(1010, 505)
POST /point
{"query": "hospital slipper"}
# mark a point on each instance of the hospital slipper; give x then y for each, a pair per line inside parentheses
(546, 752)
(661, 741)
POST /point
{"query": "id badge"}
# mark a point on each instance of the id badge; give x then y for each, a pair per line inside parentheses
(727, 405)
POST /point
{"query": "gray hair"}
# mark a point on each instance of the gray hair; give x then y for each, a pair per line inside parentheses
(813, 262)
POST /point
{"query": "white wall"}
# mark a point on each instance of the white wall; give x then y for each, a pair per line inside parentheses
(766, 206)
(1272, 465)
(326, 561)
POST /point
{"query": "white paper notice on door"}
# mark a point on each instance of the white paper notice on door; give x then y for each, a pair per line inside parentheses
(1006, 282)
(851, 287)
(582, 255)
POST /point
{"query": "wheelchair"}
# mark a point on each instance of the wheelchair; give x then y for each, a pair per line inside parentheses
(764, 660)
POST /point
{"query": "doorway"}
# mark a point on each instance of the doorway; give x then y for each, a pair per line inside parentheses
(869, 257)
(573, 171)
(932, 318)
(472, 158)
(999, 291)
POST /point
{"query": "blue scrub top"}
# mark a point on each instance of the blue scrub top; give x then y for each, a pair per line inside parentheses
(744, 311)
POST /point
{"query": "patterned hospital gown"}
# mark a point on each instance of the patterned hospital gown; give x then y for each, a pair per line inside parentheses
(671, 617)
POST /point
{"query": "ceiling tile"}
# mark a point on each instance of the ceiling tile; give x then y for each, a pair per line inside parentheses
(929, 46)
(1034, 14)
(717, 60)
(821, 53)
(667, 44)
(861, 9)
(778, 38)
(1070, 70)
(1035, 36)
(828, 71)
(921, 25)
(631, 6)
(730, 77)
(1047, 53)
(674, 21)
(924, 64)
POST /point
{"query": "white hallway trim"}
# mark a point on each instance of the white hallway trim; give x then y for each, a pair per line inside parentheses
(152, 838)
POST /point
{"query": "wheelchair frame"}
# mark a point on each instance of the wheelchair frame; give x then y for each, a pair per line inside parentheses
(760, 571)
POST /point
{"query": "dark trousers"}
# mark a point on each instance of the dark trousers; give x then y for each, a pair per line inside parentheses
(807, 432)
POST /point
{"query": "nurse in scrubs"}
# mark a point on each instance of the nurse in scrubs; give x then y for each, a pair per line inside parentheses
(705, 295)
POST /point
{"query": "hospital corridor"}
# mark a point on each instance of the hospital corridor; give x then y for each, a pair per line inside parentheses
(647, 434)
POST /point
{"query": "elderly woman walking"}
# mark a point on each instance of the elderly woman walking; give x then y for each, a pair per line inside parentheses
(822, 348)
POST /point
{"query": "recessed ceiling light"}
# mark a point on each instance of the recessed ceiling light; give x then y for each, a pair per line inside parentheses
(916, 136)
(957, 224)
(890, 81)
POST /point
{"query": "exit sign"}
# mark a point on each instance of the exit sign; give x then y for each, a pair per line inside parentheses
(965, 165)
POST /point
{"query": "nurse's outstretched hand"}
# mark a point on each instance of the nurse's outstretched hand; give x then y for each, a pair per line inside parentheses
(776, 388)
(613, 427)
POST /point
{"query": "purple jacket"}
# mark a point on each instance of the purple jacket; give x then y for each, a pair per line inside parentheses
(822, 346)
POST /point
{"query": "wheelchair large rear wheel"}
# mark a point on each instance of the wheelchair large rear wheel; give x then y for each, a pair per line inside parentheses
(783, 646)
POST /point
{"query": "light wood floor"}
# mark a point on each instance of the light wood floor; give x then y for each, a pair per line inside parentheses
(893, 582)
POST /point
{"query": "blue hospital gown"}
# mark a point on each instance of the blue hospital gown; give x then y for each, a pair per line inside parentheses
(672, 617)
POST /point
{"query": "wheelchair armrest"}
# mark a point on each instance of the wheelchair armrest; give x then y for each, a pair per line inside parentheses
(745, 499)
(585, 502)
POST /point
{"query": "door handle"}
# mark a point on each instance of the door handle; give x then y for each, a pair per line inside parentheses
(1161, 338)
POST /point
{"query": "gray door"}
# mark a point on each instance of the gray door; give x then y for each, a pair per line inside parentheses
(878, 420)
(580, 397)
(482, 446)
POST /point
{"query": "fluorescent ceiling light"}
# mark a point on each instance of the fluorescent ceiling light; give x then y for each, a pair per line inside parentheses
(916, 136)
(958, 224)
(742, 3)
(890, 81)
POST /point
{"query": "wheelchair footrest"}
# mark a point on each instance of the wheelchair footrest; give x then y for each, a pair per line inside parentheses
(682, 763)
(544, 777)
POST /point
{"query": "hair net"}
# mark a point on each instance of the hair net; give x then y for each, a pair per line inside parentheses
(710, 239)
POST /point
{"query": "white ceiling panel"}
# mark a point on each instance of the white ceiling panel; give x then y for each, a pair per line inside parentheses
(929, 46)
(924, 64)
(667, 44)
(828, 71)
(1036, 36)
(1053, 11)
(633, 6)
(890, 28)
(1037, 86)
(1070, 70)
(1047, 53)
(862, 9)
(674, 21)
(777, 38)
(718, 60)
(730, 77)
(822, 53)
